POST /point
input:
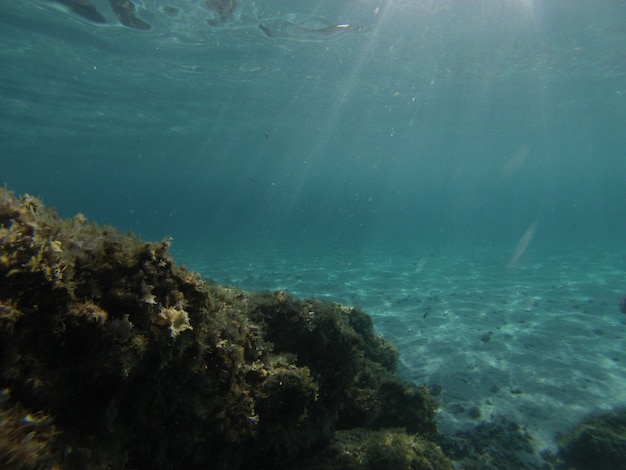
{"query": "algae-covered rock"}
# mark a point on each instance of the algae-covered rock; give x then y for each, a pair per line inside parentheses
(112, 356)
(500, 444)
(598, 443)
(385, 449)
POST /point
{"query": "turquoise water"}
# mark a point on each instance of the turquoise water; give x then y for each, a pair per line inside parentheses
(426, 122)
(465, 156)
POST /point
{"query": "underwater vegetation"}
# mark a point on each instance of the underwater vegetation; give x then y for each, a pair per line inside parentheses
(598, 443)
(113, 356)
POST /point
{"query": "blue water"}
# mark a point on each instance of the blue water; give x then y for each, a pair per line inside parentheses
(484, 139)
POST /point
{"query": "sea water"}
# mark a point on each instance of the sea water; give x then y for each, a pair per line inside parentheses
(457, 169)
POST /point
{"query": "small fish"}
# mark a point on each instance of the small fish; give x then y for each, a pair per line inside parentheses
(267, 135)
(621, 304)
(266, 30)
(333, 28)
(252, 180)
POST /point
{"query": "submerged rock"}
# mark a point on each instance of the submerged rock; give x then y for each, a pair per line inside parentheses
(598, 443)
(113, 356)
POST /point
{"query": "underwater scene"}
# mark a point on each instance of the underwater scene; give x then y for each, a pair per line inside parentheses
(314, 234)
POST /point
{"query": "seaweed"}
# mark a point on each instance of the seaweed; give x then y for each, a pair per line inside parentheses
(598, 442)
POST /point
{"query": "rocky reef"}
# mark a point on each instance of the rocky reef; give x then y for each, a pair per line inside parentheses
(113, 356)
(598, 443)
